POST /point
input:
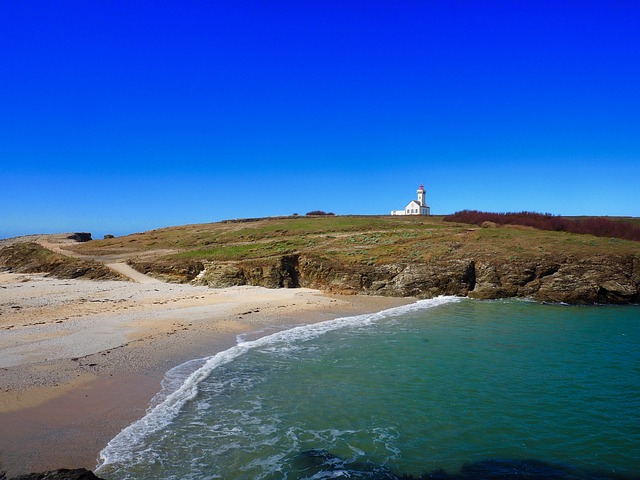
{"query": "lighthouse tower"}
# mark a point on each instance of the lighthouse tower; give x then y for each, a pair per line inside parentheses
(415, 207)
(421, 193)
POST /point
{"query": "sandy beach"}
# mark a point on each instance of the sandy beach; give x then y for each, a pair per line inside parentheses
(80, 360)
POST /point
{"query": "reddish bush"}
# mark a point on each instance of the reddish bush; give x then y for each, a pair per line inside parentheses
(598, 226)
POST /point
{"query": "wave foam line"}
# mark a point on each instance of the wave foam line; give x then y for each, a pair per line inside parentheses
(121, 448)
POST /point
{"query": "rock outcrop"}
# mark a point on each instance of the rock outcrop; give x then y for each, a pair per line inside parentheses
(590, 280)
(62, 474)
(33, 258)
(274, 272)
(175, 271)
(423, 280)
(80, 236)
(593, 280)
(601, 279)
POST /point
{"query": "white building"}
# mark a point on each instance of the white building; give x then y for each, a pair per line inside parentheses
(415, 207)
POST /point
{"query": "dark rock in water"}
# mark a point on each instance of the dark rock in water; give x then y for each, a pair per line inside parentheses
(62, 474)
(520, 469)
(508, 469)
(318, 458)
(317, 461)
(80, 236)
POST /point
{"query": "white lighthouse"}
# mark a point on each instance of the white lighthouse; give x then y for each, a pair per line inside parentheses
(415, 207)
(421, 193)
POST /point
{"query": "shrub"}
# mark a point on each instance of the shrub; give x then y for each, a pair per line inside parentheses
(597, 226)
(319, 212)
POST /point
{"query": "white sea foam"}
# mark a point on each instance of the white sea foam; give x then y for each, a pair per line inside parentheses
(175, 394)
(174, 378)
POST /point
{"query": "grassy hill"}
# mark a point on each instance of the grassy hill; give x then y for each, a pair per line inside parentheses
(372, 240)
(385, 255)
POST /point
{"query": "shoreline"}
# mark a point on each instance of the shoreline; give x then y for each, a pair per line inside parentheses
(80, 360)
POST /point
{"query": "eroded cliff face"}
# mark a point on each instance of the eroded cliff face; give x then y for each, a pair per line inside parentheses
(590, 280)
(598, 279)
(274, 272)
(376, 256)
(422, 280)
(30, 257)
(174, 271)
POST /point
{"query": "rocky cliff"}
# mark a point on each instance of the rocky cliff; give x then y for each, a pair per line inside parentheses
(591, 280)
(381, 255)
(33, 258)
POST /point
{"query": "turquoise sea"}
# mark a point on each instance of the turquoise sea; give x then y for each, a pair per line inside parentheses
(449, 387)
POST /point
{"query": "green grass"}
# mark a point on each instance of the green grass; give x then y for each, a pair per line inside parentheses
(353, 239)
(239, 252)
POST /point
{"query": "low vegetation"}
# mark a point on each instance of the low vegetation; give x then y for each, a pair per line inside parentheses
(352, 239)
(319, 212)
(597, 226)
(406, 256)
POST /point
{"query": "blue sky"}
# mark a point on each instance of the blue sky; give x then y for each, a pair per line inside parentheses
(119, 117)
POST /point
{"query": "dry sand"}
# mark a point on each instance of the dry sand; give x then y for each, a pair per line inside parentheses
(80, 360)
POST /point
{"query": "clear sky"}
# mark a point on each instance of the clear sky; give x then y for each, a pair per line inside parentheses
(123, 116)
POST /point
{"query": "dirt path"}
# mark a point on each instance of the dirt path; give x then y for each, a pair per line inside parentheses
(58, 242)
(134, 275)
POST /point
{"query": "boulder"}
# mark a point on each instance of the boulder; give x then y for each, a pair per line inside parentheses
(62, 474)
(80, 236)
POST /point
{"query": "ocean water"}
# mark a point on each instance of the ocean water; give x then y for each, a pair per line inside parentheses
(456, 388)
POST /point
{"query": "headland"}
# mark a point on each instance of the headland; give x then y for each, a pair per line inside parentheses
(395, 256)
(89, 328)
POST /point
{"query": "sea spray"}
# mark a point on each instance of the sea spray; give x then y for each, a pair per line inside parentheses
(168, 404)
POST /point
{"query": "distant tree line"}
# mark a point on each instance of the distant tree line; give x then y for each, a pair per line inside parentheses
(320, 212)
(598, 226)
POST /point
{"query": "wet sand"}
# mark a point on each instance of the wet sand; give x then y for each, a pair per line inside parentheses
(81, 360)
